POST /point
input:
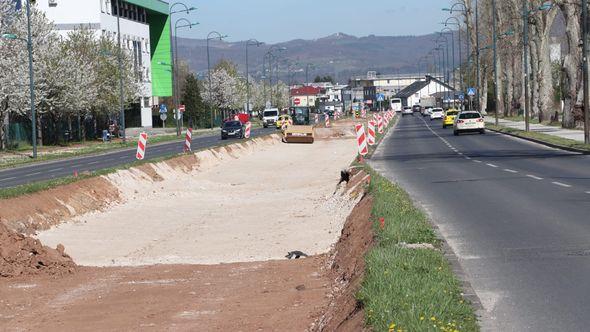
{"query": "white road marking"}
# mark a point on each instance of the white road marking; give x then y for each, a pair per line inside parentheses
(588, 192)
(492, 165)
(534, 177)
(561, 184)
(6, 179)
(477, 161)
(93, 162)
(124, 157)
(31, 174)
(55, 170)
(510, 170)
(468, 158)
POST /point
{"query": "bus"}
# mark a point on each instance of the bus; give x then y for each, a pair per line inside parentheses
(396, 104)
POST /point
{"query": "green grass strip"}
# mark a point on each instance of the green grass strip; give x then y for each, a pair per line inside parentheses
(551, 139)
(409, 289)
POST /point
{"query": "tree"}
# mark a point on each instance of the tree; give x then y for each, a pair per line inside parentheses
(320, 79)
(191, 98)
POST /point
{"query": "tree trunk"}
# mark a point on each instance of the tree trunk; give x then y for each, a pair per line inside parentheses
(571, 65)
(39, 131)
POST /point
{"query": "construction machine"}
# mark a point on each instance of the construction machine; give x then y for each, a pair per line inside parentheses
(301, 131)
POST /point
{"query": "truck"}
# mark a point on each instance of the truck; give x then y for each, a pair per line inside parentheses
(428, 102)
(396, 104)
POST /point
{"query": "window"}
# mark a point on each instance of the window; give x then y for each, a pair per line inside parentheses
(146, 102)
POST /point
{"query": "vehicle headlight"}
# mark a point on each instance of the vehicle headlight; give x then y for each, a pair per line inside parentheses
(223, 131)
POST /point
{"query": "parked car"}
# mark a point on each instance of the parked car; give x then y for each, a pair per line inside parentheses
(282, 119)
(449, 117)
(270, 117)
(436, 113)
(232, 128)
(426, 110)
(469, 121)
(407, 111)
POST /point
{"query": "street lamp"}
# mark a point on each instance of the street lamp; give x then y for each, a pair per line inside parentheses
(446, 75)
(29, 42)
(270, 54)
(453, 62)
(458, 24)
(211, 36)
(187, 24)
(251, 42)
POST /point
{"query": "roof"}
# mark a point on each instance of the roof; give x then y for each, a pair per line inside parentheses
(411, 89)
(419, 85)
(153, 5)
(305, 91)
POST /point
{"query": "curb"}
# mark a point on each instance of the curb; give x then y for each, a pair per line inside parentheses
(538, 141)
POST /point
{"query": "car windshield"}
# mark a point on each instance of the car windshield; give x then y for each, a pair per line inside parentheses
(452, 113)
(232, 124)
(271, 113)
(472, 115)
(437, 110)
(407, 108)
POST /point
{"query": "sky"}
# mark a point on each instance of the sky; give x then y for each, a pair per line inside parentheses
(272, 21)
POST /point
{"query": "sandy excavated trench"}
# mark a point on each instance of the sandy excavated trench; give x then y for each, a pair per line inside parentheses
(242, 203)
(247, 204)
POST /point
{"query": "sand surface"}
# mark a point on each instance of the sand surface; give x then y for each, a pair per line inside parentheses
(238, 207)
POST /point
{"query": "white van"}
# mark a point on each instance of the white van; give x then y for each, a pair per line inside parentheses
(269, 117)
(396, 104)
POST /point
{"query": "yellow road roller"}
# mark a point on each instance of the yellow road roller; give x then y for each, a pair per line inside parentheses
(301, 131)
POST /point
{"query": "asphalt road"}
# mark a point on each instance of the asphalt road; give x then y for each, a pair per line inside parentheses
(60, 168)
(517, 215)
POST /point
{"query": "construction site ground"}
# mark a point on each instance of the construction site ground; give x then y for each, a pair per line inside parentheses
(197, 243)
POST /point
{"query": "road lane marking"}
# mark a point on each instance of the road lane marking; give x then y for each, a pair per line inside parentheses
(31, 174)
(55, 170)
(93, 162)
(510, 170)
(468, 158)
(492, 165)
(124, 157)
(588, 192)
(534, 177)
(561, 184)
(477, 161)
(6, 179)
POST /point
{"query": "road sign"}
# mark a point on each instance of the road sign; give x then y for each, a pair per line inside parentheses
(471, 92)
(296, 101)
(380, 97)
(163, 108)
(163, 116)
(461, 97)
(181, 108)
(177, 115)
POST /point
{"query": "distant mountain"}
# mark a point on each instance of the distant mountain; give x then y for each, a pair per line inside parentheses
(339, 55)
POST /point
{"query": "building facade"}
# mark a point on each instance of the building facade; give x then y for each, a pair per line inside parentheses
(145, 35)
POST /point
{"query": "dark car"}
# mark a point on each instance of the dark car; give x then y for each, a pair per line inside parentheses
(417, 109)
(232, 129)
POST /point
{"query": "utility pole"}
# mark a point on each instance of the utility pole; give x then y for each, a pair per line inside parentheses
(31, 80)
(586, 58)
(495, 47)
(120, 60)
(525, 45)
(478, 79)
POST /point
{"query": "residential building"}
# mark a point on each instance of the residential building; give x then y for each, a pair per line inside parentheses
(420, 89)
(145, 34)
(388, 85)
(304, 96)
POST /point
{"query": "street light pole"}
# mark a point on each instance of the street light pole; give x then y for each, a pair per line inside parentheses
(495, 47)
(248, 43)
(31, 80)
(189, 25)
(220, 37)
(525, 27)
(477, 83)
(120, 61)
(453, 62)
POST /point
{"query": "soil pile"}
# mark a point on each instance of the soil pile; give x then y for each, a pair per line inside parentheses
(22, 256)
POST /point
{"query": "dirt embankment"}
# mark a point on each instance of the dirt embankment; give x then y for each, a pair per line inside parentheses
(22, 255)
(315, 293)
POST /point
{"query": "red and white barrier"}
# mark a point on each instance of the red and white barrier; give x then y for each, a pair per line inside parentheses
(364, 113)
(188, 140)
(317, 118)
(336, 116)
(141, 146)
(379, 124)
(284, 124)
(386, 120)
(327, 120)
(248, 129)
(371, 133)
(361, 139)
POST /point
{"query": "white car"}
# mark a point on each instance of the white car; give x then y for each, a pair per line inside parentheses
(407, 111)
(469, 121)
(269, 117)
(437, 113)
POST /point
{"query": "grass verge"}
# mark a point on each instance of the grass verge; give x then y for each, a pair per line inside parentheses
(550, 139)
(409, 289)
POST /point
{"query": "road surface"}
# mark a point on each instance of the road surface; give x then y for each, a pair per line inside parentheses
(517, 215)
(56, 169)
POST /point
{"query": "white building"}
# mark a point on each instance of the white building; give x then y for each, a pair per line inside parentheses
(421, 89)
(140, 23)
